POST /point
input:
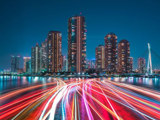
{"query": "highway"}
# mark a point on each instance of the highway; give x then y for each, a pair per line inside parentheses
(80, 99)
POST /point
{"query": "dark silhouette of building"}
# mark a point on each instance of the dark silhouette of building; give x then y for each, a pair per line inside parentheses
(28, 67)
(26, 59)
(15, 63)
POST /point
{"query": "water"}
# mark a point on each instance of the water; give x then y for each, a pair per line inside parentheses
(72, 98)
(8, 83)
(153, 83)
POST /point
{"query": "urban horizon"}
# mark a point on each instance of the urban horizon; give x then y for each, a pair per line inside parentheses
(134, 64)
(139, 33)
(102, 64)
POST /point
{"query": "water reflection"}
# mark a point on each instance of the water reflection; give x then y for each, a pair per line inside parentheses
(141, 81)
(11, 82)
(8, 83)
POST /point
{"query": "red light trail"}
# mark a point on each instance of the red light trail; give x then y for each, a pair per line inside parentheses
(79, 99)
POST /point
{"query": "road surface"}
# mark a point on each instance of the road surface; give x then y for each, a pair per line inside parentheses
(80, 99)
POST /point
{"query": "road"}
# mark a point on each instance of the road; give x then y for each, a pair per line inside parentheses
(80, 99)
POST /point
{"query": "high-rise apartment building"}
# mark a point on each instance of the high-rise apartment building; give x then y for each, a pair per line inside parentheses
(141, 65)
(65, 64)
(15, 63)
(54, 52)
(35, 59)
(100, 58)
(131, 64)
(25, 60)
(28, 67)
(43, 56)
(91, 64)
(111, 53)
(76, 44)
(124, 57)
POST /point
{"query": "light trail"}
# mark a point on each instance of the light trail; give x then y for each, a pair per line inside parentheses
(77, 99)
(132, 108)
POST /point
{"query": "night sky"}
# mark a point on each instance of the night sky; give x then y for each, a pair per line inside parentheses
(23, 23)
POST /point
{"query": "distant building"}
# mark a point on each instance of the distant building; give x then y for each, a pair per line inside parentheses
(124, 57)
(100, 58)
(111, 53)
(65, 64)
(131, 64)
(15, 63)
(25, 60)
(61, 62)
(141, 65)
(43, 56)
(156, 71)
(91, 64)
(20, 70)
(28, 67)
(35, 59)
(54, 52)
(77, 44)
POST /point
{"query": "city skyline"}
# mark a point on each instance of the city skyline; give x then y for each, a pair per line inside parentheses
(30, 33)
(80, 59)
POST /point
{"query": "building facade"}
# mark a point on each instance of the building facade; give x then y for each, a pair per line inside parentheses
(28, 67)
(35, 59)
(43, 56)
(91, 64)
(141, 65)
(131, 64)
(25, 60)
(54, 52)
(100, 58)
(15, 63)
(65, 64)
(111, 53)
(124, 57)
(76, 44)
